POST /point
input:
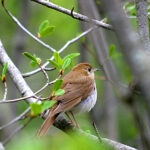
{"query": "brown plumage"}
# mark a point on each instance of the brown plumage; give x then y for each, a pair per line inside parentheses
(78, 84)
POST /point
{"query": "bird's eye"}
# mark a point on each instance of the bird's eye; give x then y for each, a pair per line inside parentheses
(89, 69)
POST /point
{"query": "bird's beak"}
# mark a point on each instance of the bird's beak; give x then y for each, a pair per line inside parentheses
(96, 69)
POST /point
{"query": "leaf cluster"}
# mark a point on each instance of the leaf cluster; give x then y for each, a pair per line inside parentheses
(3, 76)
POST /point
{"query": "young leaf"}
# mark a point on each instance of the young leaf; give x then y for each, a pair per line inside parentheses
(0, 77)
(116, 55)
(33, 64)
(36, 109)
(38, 60)
(54, 64)
(47, 31)
(48, 104)
(59, 92)
(43, 25)
(4, 69)
(71, 56)
(29, 56)
(112, 50)
(66, 63)
(57, 85)
(57, 58)
(71, 64)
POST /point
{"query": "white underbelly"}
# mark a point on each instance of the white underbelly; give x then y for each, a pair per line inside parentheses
(87, 104)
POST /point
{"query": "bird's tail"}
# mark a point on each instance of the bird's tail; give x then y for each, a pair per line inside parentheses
(47, 124)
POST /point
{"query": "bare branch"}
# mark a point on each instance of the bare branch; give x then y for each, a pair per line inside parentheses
(21, 116)
(74, 14)
(30, 73)
(34, 94)
(16, 131)
(27, 31)
(5, 93)
(16, 75)
(1, 146)
(44, 72)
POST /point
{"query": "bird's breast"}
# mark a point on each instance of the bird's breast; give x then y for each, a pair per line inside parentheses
(87, 104)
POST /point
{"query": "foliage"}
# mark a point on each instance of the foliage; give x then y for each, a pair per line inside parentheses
(113, 53)
(62, 64)
(45, 29)
(34, 60)
(130, 8)
(4, 72)
(37, 108)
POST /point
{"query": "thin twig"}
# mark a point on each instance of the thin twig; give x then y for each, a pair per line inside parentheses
(21, 116)
(74, 14)
(16, 131)
(44, 72)
(97, 132)
(29, 73)
(27, 31)
(68, 43)
(5, 93)
(37, 92)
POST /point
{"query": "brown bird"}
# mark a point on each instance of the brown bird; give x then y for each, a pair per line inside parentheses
(80, 95)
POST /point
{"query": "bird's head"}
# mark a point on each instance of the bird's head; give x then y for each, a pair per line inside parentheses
(85, 69)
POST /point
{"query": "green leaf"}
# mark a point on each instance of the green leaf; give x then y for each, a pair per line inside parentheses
(48, 104)
(38, 60)
(36, 109)
(82, 39)
(57, 58)
(116, 55)
(112, 50)
(57, 85)
(33, 64)
(71, 64)
(0, 77)
(88, 131)
(128, 74)
(66, 63)
(59, 92)
(54, 64)
(29, 56)
(43, 25)
(71, 56)
(4, 69)
(130, 8)
(47, 31)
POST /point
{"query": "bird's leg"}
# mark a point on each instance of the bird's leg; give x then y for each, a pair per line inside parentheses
(77, 125)
(69, 118)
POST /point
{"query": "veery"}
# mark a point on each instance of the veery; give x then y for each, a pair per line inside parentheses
(80, 95)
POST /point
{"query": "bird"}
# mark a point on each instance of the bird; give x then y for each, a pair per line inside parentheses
(80, 96)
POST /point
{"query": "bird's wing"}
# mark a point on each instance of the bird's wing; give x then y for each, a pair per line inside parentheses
(74, 94)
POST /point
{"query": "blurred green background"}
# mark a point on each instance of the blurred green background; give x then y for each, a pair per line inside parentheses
(16, 42)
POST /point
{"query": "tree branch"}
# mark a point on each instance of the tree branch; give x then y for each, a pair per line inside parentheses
(15, 75)
(74, 14)
(16, 119)
(142, 20)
